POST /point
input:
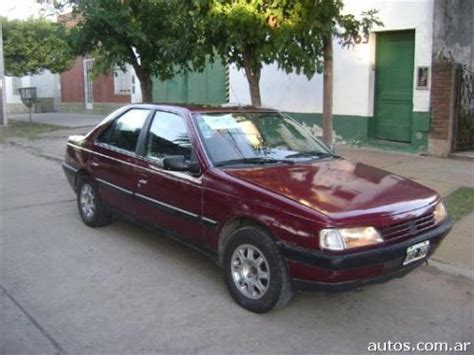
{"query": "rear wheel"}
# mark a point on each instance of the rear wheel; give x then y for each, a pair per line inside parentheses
(255, 272)
(91, 208)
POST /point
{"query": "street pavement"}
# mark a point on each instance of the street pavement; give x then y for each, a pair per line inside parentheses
(121, 289)
(65, 119)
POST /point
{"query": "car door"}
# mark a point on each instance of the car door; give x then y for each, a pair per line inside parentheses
(113, 164)
(166, 199)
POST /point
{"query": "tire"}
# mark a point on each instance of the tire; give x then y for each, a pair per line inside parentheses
(255, 273)
(91, 208)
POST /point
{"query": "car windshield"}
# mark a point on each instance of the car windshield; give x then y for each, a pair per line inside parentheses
(257, 138)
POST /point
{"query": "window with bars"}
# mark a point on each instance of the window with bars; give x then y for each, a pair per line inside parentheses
(122, 82)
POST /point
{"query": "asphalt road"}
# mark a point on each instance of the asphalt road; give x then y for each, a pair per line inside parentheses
(66, 119)
(67, 288)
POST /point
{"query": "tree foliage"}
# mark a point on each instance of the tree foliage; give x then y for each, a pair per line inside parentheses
(35, 45)
(324, 18)
(289, 33)
(251, 33)
(321, 21)
(157, 37)
(312, 23)
(165, 37)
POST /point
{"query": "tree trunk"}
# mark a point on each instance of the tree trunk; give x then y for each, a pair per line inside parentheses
(253, 78)
(146, 84)
(327, 91)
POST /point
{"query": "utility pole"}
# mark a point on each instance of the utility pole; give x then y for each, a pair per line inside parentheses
(3, 94)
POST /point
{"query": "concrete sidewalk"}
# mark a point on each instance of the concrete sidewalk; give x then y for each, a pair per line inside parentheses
(442, 175)
(64, 119)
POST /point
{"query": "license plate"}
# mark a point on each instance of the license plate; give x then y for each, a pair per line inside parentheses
(417, 252)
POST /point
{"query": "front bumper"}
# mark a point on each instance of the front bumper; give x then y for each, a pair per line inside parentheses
(317, 270)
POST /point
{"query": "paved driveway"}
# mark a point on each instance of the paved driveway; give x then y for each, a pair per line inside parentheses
(120, 289)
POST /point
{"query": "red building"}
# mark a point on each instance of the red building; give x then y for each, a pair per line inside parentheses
(104, 94)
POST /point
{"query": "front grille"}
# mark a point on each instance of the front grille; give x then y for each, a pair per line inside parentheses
(406, 229)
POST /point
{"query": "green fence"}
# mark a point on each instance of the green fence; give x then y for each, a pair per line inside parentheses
(208, 87)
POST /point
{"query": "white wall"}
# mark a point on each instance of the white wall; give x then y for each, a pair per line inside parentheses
(11, 97)
(45, 84)
(353, 68)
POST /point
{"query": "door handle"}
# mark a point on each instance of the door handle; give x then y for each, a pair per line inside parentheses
(94, 163)
(142, 180)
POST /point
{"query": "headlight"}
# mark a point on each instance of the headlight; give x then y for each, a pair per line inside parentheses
(440, 213)
(347, 238)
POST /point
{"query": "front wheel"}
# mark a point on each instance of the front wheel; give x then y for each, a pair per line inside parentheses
(91, 208)
(255, 272)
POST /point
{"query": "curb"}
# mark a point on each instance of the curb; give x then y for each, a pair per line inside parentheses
(52, 157)
(451, 269)
(38, 152)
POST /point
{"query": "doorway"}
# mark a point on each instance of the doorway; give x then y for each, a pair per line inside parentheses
(88, 88)
(393, 107)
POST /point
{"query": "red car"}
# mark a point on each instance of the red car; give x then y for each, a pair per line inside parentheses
(253, 189)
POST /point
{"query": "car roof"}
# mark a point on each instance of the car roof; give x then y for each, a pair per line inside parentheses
(195, 108)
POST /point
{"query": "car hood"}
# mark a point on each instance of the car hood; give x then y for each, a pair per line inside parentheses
(340, 188)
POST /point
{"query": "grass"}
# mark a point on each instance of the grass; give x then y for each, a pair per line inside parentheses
(460, 203)
(22, 129)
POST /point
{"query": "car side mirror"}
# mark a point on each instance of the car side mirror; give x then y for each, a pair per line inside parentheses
(179, 163)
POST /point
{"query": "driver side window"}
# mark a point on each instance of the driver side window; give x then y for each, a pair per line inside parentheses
(168, 136)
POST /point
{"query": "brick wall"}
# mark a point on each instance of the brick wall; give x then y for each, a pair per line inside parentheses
(103, 89)
(72, 87)
(72, 83)
(442, 96)
(442, 107)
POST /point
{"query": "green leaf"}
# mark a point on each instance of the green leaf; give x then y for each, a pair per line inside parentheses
(34, 45)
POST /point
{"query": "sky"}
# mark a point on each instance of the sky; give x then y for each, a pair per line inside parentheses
(20, 9)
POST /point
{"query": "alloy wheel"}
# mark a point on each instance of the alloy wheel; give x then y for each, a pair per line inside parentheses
(87, 201)
(250, 271)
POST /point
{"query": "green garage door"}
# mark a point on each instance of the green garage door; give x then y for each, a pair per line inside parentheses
(394, 85)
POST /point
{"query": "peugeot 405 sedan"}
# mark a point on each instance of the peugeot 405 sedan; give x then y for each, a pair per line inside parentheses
(256, 191)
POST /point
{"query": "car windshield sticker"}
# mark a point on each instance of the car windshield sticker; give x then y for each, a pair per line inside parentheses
(221, 122)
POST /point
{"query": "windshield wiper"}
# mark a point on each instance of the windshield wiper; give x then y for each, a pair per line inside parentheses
(255, 160)
(315, 155)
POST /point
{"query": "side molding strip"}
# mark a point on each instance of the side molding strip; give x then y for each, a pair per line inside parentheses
(209, 222)
(190, 214)
(170, 208)
(114, 186)
(200, 219)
